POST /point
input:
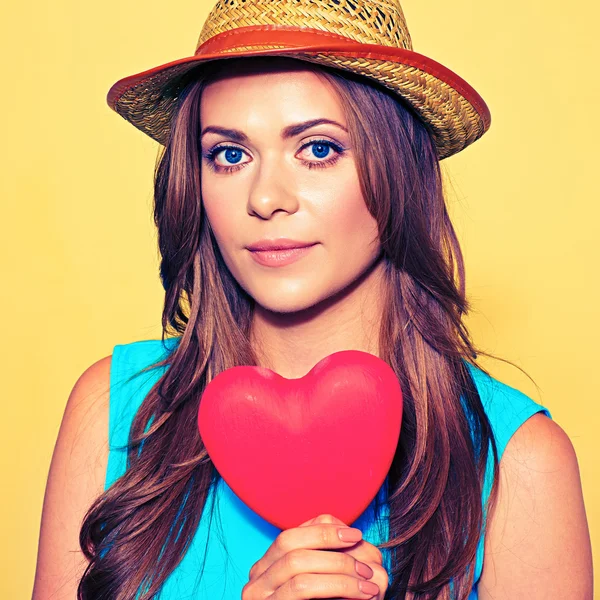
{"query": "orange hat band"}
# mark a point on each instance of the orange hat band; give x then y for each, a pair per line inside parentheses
(288, 35)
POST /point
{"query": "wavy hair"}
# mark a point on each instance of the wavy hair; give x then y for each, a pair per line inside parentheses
(436, 479)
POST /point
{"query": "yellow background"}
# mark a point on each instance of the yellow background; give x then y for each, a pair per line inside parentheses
(79, 257)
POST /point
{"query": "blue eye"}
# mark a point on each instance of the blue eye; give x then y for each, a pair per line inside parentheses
(233, 155)
(322, 149)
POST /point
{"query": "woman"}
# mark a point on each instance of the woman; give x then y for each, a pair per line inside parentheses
(335, 145)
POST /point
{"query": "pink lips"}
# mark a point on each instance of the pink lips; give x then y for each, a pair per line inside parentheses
(279, 257)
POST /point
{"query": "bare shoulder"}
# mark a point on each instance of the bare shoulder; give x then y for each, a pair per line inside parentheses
(538, 544)
(75, 479)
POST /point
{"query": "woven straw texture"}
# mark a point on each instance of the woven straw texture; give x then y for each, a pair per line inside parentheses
(367, 21)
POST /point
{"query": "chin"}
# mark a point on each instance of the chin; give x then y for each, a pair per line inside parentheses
(281, 304)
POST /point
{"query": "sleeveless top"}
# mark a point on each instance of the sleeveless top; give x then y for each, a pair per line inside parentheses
(216, 566)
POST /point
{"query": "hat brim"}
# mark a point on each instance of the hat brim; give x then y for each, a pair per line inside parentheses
(455, 112)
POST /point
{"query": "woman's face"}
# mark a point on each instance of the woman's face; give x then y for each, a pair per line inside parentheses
(271, 175)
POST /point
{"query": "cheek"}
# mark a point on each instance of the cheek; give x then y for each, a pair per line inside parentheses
(346, 218)
(221, 217)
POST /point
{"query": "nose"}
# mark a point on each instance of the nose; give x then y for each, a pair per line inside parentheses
(272, 190)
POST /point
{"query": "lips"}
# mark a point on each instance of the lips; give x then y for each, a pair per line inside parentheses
(278, 258)
(280, 244)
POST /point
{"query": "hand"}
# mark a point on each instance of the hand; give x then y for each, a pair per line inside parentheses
(303, 562)
(364, 552)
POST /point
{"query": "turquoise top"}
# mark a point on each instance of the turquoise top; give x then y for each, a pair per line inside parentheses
(240, 536)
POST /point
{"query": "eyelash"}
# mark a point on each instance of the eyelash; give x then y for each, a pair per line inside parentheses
(310, 164)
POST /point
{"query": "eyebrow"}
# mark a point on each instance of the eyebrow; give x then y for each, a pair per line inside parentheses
(286, 133)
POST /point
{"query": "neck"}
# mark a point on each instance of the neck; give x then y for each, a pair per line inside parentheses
(291, 344)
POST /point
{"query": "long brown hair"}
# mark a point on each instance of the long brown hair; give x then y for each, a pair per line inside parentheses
(436, 479)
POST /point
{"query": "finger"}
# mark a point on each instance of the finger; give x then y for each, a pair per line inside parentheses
(324, 518)
(322, 536)
(311, 585)
(309, 522)
(302, 560)
(366, 552)
(381, 577)
(329, 518)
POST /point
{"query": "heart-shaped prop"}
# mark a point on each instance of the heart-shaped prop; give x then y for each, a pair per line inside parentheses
(292, 449)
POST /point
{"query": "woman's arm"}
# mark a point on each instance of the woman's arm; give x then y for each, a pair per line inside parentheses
(76, 478)
(538, 544)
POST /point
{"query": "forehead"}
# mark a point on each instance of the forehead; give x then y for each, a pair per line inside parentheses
(276, 87)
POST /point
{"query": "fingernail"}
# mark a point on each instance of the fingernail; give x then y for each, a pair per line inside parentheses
(350, 534)
(363, 570)
(368, 587)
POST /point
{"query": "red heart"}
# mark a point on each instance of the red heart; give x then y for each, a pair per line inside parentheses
(292, 449)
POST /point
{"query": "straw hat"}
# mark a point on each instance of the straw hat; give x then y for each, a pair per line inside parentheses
(367, 37)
